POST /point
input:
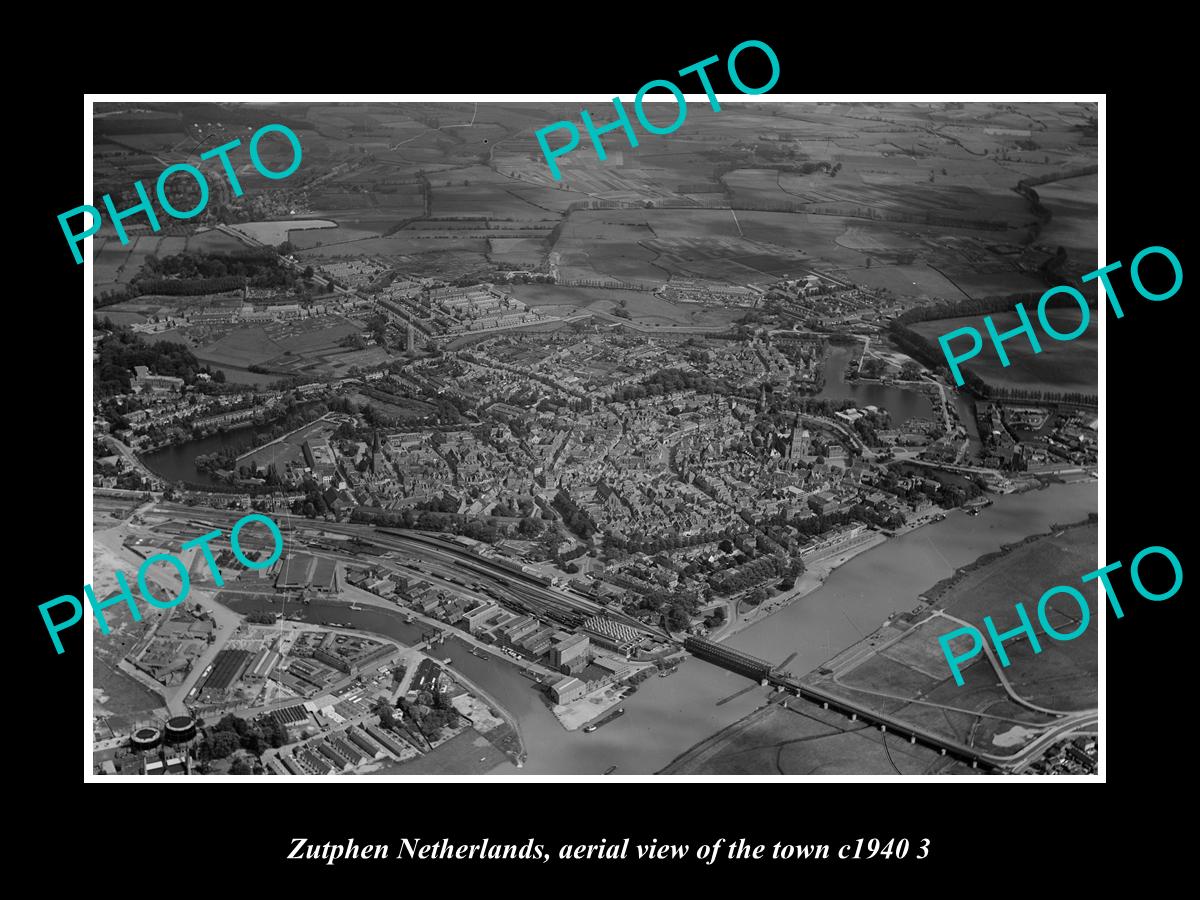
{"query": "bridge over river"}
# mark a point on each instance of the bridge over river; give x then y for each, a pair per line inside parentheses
(765, 673)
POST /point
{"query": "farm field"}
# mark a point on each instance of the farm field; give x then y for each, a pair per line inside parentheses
(1072, 204)
(486, 200)
(1061, 366)
(275, 233)
(750, 186)
(642, 306)
(212, 241)
(1063, 676)
(241, 347)
(916, 279)
(237, 375)
(902, 663)
(401, 244)
(606, 246)
(303, 347)
(922, 193)
(340, 363)
(518, 251)
(173, 335)
(110, 258)
(121, 317)
(116, 264)
(340, 234)
(801, 738)
(310, 336)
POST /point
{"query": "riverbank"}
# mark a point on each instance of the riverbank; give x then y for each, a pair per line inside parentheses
(796, 737)
(780, 739)
(939, 590)
(363, 598)
(814, 577)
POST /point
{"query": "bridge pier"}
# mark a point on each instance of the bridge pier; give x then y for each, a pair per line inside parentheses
(853, 717)
(883, 729)
(825, 705)
(943, 751)
(912, 738)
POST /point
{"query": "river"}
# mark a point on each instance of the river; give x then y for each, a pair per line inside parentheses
(668, 715)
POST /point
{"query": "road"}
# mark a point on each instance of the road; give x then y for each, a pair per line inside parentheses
(1065, 723)
(167, 584)
(1011, 763)
(128, 454)
(945, 402)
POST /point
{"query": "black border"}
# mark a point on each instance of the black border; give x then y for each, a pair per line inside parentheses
(1147, 463)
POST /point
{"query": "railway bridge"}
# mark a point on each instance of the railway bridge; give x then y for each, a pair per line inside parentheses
(765, 673)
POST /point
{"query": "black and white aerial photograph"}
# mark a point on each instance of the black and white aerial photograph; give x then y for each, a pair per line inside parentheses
(455, 440)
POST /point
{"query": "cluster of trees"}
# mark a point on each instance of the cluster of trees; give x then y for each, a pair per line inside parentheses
(929, 352)
(1076, 397)
(261, 617)
(190, 274)
(530, 527)
(442, 504)
(867, 427)
(313, 503)
(575, 518)
(242, 264)
(668, 381)
(486, 532)
(126, 481)
(446, 409)
(872, 367)
(431, 713)
(747, 575)
(121, 350)
(964, 306)
(233, 733)
(953, 491)
(678, 611)
(291, 416)
(191, 288)
(773, 151)
(808, 526)
(919, 346)
(224, 458)
(651, 544)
